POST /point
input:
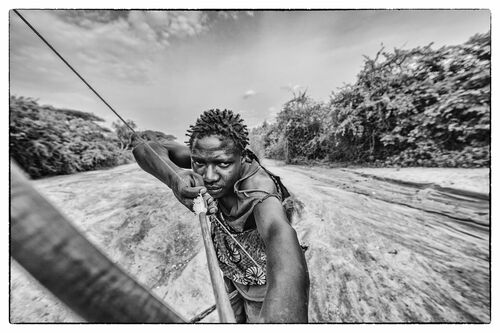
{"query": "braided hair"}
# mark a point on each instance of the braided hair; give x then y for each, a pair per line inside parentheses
(225, 123)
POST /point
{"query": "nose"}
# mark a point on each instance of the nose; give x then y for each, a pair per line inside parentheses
(210, 176)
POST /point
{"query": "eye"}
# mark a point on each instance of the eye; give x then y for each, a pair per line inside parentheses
(198, 164)
(223, 165)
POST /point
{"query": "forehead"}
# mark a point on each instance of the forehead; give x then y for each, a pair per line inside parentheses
(213, 146)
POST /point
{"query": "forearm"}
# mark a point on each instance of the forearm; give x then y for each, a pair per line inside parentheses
(159, 164)
(185, 184)
(287, 278)
(179, 154)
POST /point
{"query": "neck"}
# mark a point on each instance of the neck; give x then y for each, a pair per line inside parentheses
(230, 199)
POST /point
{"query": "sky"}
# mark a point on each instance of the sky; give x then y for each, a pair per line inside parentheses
(161, 69)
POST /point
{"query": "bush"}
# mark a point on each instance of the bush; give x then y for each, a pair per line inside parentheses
(418, 107)
(299, 131)
(277, 150)
(257, 142)
(48, 141)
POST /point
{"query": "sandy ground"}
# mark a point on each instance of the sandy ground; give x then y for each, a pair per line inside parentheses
(471, 180)
(385, 245)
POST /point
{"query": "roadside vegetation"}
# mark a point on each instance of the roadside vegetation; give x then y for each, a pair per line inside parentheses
(419, 107)
(47, 141)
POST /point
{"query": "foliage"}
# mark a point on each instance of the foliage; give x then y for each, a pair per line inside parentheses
(256, 138)
(156, 136)
(301, 123)
(418, 107)
(148, 135)
(266, 141)
(124, 133)
(48, 141)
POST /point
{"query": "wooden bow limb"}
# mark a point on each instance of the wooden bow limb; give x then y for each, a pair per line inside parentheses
(226, 314)
(54, 252)
(224, 309)
(222, 300)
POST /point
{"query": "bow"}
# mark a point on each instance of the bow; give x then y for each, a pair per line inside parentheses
(222, 300)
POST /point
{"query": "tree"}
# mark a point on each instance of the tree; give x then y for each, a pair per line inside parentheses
(421, 106)
(48, 141)
(124, 133)
(417, 107)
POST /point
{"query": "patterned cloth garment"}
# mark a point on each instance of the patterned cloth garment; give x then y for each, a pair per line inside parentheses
(240, 222)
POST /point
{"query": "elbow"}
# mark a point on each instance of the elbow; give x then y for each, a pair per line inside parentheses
(140, 155)
(138, 151)
(287, 258)
(306, 283)
(145, 157)
(301, 266)
(302, 272)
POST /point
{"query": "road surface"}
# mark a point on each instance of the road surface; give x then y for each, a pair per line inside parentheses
(385, 245)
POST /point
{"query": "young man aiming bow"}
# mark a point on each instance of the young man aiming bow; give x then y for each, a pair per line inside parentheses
(257, 249)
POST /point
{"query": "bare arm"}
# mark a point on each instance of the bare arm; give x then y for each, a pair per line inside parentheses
(175, 152)
(179, 154)
(166, 165)
(287, 295)
(152, 159)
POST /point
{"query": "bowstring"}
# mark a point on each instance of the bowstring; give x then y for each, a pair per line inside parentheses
(97, 94)
(126, 124)
(236, 241)
(71, 67)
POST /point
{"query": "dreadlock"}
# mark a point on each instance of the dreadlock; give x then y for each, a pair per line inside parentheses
(224, 123)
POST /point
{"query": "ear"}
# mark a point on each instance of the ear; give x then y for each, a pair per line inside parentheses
(245, 157)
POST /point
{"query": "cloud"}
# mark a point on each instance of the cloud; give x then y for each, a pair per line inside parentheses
(90, 17)
(234, 14)
(155, 26)
(249, 93)
(106, 43)
(115, 43)
(226, 14)
(291, 87)
(160, 26)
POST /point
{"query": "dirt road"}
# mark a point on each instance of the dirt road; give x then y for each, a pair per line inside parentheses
(385, 245)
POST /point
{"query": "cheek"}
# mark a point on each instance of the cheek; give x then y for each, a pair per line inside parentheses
(230, 175)
(198, 170)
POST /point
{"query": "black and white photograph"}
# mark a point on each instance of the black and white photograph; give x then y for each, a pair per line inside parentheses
(249, 166)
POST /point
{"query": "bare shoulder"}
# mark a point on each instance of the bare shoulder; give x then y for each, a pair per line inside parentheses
(259, 181)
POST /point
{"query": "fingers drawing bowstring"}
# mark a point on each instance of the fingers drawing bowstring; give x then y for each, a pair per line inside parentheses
(95, 92)
(146, 144)
(223, 305)
(126, 124)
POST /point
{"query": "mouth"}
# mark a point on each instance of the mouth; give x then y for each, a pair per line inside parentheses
(214, 190)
